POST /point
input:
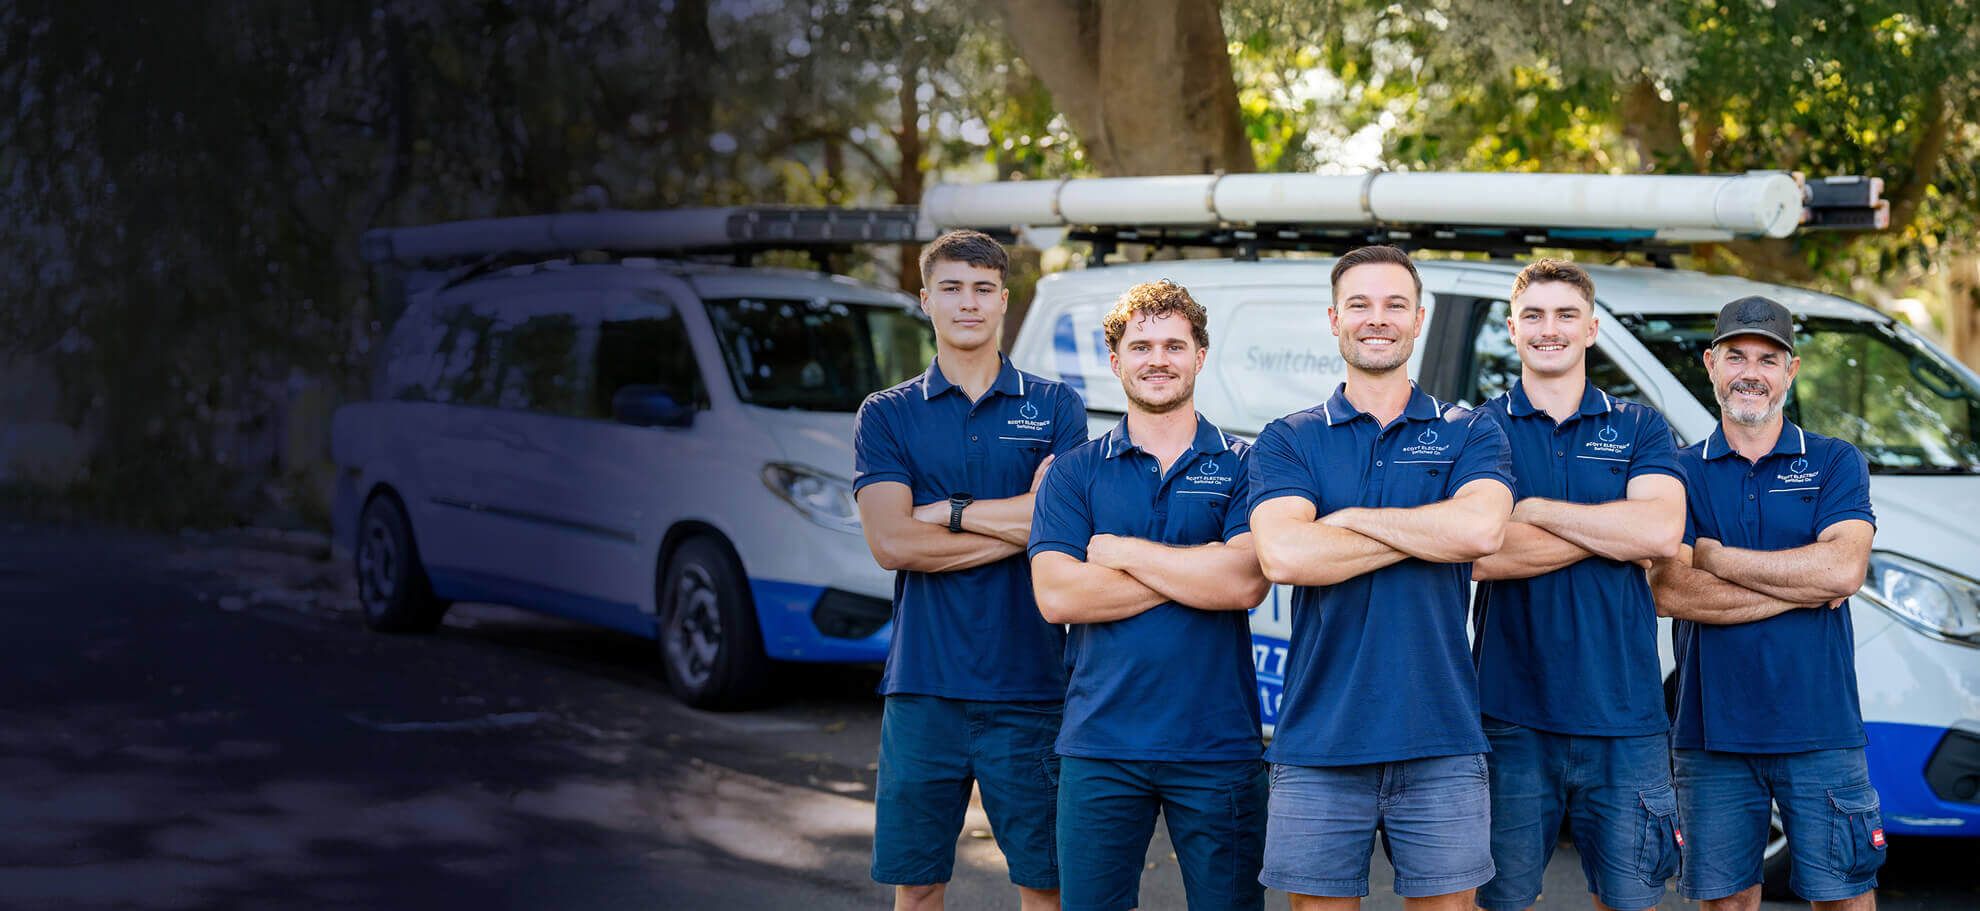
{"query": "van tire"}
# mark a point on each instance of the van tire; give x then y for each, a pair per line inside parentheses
(393, 589)
(710, 647)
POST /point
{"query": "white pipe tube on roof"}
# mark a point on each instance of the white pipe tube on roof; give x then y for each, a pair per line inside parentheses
(1180, 200)
(1758, 203)
(1745, 204)
(1278, 198)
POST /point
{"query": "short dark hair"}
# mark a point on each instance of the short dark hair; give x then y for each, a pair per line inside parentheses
(965, 246)
(1156, 298)
(1541, 271)
(1379, 253)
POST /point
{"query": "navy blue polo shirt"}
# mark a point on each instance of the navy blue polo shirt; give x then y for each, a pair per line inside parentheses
(1574, 651)
(1787, 683)
(1172, 682)
(972, 633)
(1379, 667)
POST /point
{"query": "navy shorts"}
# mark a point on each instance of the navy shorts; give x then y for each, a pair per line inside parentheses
(1107, 809)
(1835, 832)
(1616, 790)
(931, 750)
(1434, 814)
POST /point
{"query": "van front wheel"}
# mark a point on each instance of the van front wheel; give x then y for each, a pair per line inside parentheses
(392, 585)
(710, 648)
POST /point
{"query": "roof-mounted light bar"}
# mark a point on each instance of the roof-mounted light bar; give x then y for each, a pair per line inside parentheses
(738, 229)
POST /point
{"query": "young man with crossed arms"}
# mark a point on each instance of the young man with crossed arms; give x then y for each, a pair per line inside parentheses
(1374, 503)
(945, 466)
(1142, 542)
(1568, 678)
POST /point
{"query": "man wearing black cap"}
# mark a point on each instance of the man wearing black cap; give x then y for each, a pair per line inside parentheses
(1776, 540)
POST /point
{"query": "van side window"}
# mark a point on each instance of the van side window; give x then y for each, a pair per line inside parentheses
(1495, 362)
(539, 366)
(462, 366)
(648, 350)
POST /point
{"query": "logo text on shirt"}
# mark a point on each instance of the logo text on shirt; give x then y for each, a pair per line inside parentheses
(1605, 442)
(1027, 419)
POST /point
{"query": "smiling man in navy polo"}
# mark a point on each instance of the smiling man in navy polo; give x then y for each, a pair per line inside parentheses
(1567, 630)
(1778, 539)
(1142, 543)
(1374, 504)
(975, 680)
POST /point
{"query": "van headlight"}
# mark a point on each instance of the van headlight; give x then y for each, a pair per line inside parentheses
(823, 499)
(1937, 602)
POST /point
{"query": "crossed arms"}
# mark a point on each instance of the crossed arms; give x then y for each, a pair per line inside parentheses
(1713, 583)
(904, 536)
(1296, 547)
(1546, 535)
(1122, 577)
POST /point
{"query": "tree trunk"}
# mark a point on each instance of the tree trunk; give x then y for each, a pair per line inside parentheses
(1146, 85)
(908, 176)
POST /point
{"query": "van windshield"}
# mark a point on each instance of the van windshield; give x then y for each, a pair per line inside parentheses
(818, 355)
(1904, 405)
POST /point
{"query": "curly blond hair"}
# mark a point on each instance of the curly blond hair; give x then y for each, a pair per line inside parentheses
(1156, 298)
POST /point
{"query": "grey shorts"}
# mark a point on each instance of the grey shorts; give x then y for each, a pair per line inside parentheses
(1434, 814)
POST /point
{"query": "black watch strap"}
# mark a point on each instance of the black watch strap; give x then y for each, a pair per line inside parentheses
(956, 504)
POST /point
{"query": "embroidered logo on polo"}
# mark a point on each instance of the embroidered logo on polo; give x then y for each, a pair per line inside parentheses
(1027, 420)
(1798, 472)
(1208, 472)
(1428, 447)
(1605, 442)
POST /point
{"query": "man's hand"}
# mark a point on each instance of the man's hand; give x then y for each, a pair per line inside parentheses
(936, 513)
(1038, 476)
(1523, 511)
(1107, 550)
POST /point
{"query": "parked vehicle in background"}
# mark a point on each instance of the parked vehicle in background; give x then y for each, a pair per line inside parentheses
(1911, 409)
(657, 446)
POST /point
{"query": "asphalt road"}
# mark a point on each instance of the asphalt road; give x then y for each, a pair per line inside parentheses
(189, 723)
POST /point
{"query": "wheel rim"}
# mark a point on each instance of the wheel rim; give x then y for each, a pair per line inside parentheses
(693, 636)
(1776, 834)
(377, 565)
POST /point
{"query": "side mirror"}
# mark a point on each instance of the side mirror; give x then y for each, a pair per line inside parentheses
(649, 406)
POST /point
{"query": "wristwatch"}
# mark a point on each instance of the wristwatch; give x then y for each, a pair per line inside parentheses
(956, 503)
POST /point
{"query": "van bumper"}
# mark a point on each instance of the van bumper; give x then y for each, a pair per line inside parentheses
(812, 623)
(1927, 778)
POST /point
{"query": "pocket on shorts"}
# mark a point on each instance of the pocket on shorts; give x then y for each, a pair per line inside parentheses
(1859, 831)
(1493, 727)
(1048, 770)
(1659, 840)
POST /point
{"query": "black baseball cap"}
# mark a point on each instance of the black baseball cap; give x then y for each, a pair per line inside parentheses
(1756, 315)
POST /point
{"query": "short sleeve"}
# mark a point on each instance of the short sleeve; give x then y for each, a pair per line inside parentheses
(878, 452)
(1486, 455)
(1068, 422)
(1846, 491)
(1655, 451)
(1277, 469)
(1692, 473)
(1061, 516)
(1237, 516)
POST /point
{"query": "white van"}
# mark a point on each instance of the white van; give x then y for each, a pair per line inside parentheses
(1911, 409)
(655, 446)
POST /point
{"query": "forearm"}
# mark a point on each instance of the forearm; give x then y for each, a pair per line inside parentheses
(1073, 591)
(921, 547)
(1823, 571)
(1451, 531)
(1686, 593)
(1008, 519)
(1309, 553)
(1623, 530)
(1529, 551)
(1216, 576)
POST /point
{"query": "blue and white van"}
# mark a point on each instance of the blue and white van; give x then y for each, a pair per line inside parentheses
(655, 446)
(1911, 409)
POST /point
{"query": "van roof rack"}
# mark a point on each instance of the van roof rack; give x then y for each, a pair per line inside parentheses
(737, 231)
(1502, 214)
